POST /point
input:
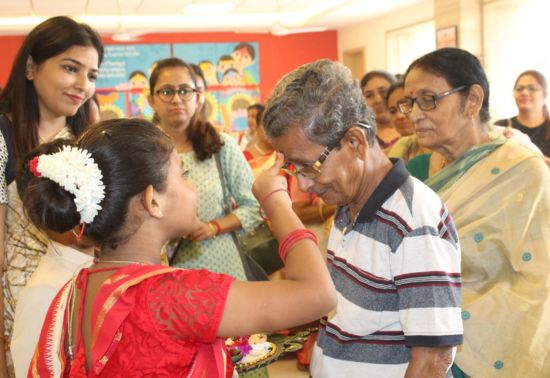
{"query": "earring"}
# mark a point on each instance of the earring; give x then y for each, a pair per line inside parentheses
(29, 68)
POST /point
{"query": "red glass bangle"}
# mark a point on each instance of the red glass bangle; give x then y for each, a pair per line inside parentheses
(262, 202)
(292, 238)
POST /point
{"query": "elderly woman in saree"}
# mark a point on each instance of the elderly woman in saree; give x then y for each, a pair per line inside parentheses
(498, 192)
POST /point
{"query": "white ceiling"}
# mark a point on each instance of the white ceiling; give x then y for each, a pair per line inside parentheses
(149, 16)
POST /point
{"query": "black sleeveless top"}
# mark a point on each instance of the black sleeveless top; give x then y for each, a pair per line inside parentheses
(537, 134)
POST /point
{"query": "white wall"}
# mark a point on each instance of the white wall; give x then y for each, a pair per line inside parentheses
(371, 35)
(515, 40)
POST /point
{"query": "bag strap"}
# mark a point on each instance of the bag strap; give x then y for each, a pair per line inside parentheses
(226, 202)
(252, 270)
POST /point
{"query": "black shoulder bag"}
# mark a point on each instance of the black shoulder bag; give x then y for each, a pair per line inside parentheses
(253, 270)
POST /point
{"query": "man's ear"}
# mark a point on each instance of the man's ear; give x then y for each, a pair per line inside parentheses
(150, 202)
(30, 69)
(357, 140)
(150, 100)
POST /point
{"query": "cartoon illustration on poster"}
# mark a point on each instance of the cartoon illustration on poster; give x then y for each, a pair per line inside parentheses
(232, 75)
(123, 83)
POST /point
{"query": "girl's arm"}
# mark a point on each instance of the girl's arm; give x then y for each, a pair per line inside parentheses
(306, 294)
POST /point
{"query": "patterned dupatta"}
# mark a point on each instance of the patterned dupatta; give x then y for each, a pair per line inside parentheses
(109, 311)
(446, 177)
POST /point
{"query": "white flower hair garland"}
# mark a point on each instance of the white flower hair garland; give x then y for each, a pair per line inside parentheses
(74, 170)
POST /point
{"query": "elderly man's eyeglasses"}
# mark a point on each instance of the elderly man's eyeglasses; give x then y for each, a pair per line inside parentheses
(167, 94)
(313, 170)
(425, 102)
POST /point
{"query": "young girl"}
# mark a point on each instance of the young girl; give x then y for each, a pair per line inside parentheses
(126, 185)
(65, 255)
(175, 99)
(53, 75)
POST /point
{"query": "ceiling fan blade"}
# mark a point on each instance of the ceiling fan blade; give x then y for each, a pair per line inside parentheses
(280, 30)
(123, 35)
(312, 29)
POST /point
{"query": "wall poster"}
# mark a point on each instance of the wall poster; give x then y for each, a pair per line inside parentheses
(231, 71)
(123, 83)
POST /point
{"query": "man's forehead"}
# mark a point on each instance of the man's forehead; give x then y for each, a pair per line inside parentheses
(294, 145)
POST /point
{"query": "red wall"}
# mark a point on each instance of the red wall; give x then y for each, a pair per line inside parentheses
(278, 55)
(10, 45)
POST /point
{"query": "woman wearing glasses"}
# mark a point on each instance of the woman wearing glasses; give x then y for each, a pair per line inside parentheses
(407, 146)
(498, 193)
(530, 92)
(175, 101)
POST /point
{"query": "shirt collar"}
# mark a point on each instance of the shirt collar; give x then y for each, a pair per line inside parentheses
(393, 180)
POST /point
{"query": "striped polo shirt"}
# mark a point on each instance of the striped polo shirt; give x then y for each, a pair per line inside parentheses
(397, 272)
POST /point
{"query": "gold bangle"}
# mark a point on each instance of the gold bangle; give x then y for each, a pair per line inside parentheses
(212, 227)
(215, 226)
(321, 214)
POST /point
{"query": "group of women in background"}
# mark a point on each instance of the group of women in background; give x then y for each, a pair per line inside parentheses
(193, 184)
(495, 182)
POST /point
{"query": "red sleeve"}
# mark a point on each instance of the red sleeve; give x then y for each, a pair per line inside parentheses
(189, 304)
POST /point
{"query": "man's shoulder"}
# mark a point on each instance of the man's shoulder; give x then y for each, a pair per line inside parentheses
(412, 193)
(415, 204)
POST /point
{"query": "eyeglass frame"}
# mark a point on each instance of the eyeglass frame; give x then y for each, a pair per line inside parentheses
(316, 166)
(177, 91)
(531, 88)
(435, 98)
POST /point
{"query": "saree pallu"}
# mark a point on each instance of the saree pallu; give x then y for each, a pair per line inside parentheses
(500, 202)
(110, 309)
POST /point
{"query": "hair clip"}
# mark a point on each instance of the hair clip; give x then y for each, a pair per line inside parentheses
(106, 133)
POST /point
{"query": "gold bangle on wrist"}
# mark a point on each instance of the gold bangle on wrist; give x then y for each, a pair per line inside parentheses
(215, 226)
(212, 227)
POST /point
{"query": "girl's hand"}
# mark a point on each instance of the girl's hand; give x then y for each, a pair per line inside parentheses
(270, 180)
(203, 232)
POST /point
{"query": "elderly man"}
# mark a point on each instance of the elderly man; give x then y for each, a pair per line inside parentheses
(393, 251)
